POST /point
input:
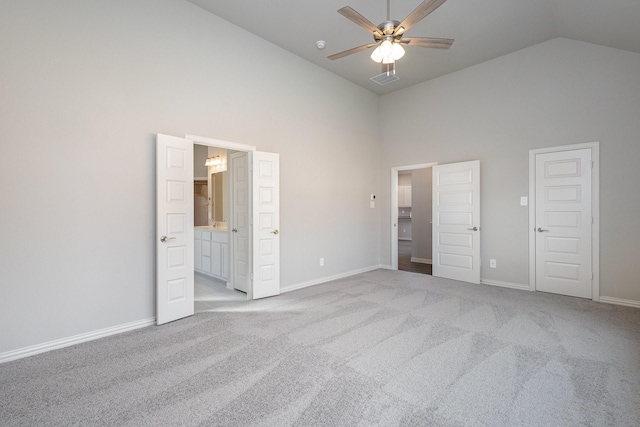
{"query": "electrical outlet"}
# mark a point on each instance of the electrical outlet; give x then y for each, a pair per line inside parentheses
(492, 263)
(321, 262)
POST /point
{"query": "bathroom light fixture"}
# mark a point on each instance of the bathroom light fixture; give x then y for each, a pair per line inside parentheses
(213, 161)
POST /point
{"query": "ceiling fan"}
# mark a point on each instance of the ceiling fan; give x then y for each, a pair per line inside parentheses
(389, 36)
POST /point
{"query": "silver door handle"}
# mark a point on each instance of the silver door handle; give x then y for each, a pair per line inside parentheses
(275, 232)
(235, 230)
(165, 239)
(473, 229)
(541, 230)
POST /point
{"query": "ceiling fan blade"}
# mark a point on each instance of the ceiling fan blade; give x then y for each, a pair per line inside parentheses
(355, 17)
(418, 14)
(351, 51)
(427, 42)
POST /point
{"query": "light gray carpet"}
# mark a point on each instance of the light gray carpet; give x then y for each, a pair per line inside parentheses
(381, 348)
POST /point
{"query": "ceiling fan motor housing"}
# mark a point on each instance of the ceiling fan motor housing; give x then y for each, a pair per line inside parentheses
(387, 29)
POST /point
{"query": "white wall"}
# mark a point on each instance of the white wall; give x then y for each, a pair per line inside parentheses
(84, 87)
(200, 154)
(555, 93)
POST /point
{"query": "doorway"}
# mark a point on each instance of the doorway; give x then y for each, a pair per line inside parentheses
(411, 218)
(212, 280)
(175, 233)
(455, 224)
(414, 221)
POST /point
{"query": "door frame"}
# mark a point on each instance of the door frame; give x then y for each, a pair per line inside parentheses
(235, 146)
(394, 206)
(595, 211)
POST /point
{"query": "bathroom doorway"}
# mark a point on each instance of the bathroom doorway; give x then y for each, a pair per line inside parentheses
(212, 281)
(414, 220)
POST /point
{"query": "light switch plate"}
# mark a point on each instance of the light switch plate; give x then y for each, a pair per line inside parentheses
(524, 201)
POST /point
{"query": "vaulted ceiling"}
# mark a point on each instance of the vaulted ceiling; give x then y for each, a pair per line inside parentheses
(482, 30)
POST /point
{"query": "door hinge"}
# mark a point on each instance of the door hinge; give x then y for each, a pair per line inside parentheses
(592, 164)
(251, 276)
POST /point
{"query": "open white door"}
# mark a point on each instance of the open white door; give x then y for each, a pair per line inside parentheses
(240, 247)
(174, 230)
(265, 172)
(456, 221)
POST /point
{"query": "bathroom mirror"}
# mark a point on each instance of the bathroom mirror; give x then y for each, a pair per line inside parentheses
(219, 205)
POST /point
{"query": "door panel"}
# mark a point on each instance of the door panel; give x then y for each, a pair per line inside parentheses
(266, 223)
(174, 233)
(456, 221)
(240, 221)
(563, 223)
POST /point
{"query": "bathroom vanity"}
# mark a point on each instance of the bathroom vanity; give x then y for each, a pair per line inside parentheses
(212, 251)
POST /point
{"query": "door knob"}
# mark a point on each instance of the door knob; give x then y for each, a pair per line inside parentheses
(235, 230)
(165, 239)
(473, 229)
(540, 230)
(275, 232)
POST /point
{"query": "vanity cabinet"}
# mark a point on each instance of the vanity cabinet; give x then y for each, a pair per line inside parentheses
(211, 252)
(404, 196)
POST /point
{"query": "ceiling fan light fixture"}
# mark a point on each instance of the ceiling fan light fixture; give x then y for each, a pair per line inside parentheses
(388, 60)
(386, 48)
(376, 56)
(397, 51)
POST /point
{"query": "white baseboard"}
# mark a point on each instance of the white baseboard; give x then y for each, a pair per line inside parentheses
(329, 278)
(76, 339)
(421, 260)
(620, 301)
(505, 284)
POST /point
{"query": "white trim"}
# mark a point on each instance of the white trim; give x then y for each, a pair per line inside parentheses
(595, 211)
(620, 301)
(76, 339)
(211, 142)
(330, 278)
(394, 206)
(421, 260)
(505, 284)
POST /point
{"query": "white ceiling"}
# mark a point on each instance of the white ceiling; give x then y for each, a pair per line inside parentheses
(482, 30)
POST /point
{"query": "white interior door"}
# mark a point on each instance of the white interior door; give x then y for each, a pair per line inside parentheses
(456, 221)
(240, 221)
(174, 232)
(563, 222)
(266, 224)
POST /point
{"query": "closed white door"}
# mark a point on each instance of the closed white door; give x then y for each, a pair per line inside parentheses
(174, 232)
(456, 221)
(240, 221)
(563, 222)
(266, 224)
